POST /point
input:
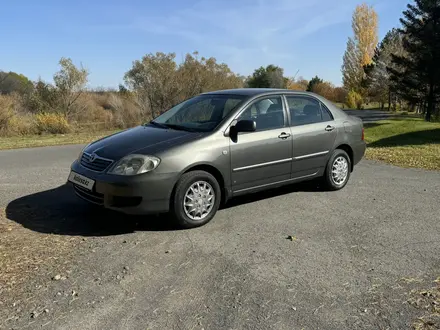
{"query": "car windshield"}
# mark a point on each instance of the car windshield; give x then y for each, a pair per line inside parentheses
(202, 113)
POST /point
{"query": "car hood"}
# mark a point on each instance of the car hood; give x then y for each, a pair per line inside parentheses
(141, 139)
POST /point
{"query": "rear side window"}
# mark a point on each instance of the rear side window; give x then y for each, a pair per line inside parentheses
(306, 110)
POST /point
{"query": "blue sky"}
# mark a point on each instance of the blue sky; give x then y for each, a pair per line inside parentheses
(106, 36)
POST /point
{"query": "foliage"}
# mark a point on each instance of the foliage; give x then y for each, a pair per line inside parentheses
(365, 27)
(360, 47)
(267, 77)
(13, 82)
(417, 76)
(159, 82)
(325, 89)
(378, 81)
(354, 100)
(70, 83)
(312, 83)
(52, 123)
(299, 84)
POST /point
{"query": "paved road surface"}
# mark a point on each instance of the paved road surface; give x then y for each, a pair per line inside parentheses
(343, 271)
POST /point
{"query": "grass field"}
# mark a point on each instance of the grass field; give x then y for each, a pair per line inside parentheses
(406, 142)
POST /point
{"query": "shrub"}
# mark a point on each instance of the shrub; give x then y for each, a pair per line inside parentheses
(53, 123)
(354, 100)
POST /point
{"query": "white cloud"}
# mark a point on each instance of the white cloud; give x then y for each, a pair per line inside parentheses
(248, 33)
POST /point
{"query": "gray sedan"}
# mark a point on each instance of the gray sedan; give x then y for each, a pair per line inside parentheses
(218, 145)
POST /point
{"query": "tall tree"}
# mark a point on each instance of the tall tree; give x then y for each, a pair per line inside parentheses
(313, 82)
(14, 82)
(267, 77)
(365, 26)
(360, 47)
(70, 82)
(419, 74)
(378, 81)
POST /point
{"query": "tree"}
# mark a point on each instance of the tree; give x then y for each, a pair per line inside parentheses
(378, 81)
(299, 84)
(315, 81)
(365, 26)
(360, 47)
(14, 82)
(418, 79)
(325, 89)
(352, 71)
(70, 83)
(155, 82)
(269, 77)
(159, 82)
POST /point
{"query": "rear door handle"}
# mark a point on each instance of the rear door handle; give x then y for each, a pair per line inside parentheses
(284, 135)
(329, 128)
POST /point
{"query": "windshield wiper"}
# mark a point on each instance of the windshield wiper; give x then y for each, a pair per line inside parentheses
(180, 128)
(154, 123)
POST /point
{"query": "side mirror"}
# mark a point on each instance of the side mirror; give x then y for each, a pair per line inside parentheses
(245, 126)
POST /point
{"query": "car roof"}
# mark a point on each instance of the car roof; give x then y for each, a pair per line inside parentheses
(255, 91)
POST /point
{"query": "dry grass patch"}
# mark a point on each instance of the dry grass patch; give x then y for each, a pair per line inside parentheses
(29, 141)
(25, 253)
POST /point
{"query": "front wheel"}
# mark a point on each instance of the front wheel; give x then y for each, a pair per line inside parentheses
(196, 199)
(337, 171)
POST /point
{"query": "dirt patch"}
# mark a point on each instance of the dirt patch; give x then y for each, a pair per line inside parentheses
(428, 302)
(24, 254)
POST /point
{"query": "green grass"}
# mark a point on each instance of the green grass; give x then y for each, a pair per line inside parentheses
(405, 142)
(50, 140)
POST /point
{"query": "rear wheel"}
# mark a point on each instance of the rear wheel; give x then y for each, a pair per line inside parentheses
(196, 199)
(337, 172)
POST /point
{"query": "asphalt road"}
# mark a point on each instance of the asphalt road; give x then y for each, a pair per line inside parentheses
(343, 270)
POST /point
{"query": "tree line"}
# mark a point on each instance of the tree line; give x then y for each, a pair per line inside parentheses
(399, 71)
(404, 67)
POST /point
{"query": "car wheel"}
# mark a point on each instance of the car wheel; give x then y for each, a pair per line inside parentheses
(337, 171)
(196, 199)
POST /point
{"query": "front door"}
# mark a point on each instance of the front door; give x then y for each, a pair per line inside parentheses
(263, 157)
(314, 133)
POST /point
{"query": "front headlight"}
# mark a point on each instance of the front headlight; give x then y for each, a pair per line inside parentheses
(135, 164)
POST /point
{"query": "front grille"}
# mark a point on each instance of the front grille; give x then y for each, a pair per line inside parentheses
(98, 164)
(88, 195)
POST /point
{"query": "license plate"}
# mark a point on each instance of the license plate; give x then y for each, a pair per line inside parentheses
(81, 180)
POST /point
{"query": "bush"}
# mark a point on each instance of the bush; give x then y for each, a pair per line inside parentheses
(354, 100)
(53, 123)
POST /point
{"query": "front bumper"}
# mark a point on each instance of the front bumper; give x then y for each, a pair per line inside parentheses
(144, 194)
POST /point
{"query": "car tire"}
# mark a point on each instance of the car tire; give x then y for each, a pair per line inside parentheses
(338, 169)
(186, 188)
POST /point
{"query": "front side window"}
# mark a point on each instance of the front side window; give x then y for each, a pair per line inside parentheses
(202, 113)
(268, 113)
(306, 110)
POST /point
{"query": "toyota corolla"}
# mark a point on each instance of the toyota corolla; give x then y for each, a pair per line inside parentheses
(218, 145)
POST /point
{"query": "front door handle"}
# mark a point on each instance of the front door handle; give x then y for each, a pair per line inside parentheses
(329, 128)
(284, 135)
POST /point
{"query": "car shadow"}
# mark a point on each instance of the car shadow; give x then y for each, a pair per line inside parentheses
(58, 211)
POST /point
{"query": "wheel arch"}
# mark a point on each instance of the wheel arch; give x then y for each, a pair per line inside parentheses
(211, 169)
(349, 151)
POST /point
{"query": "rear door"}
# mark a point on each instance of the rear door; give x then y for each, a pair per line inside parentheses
(314, 133)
